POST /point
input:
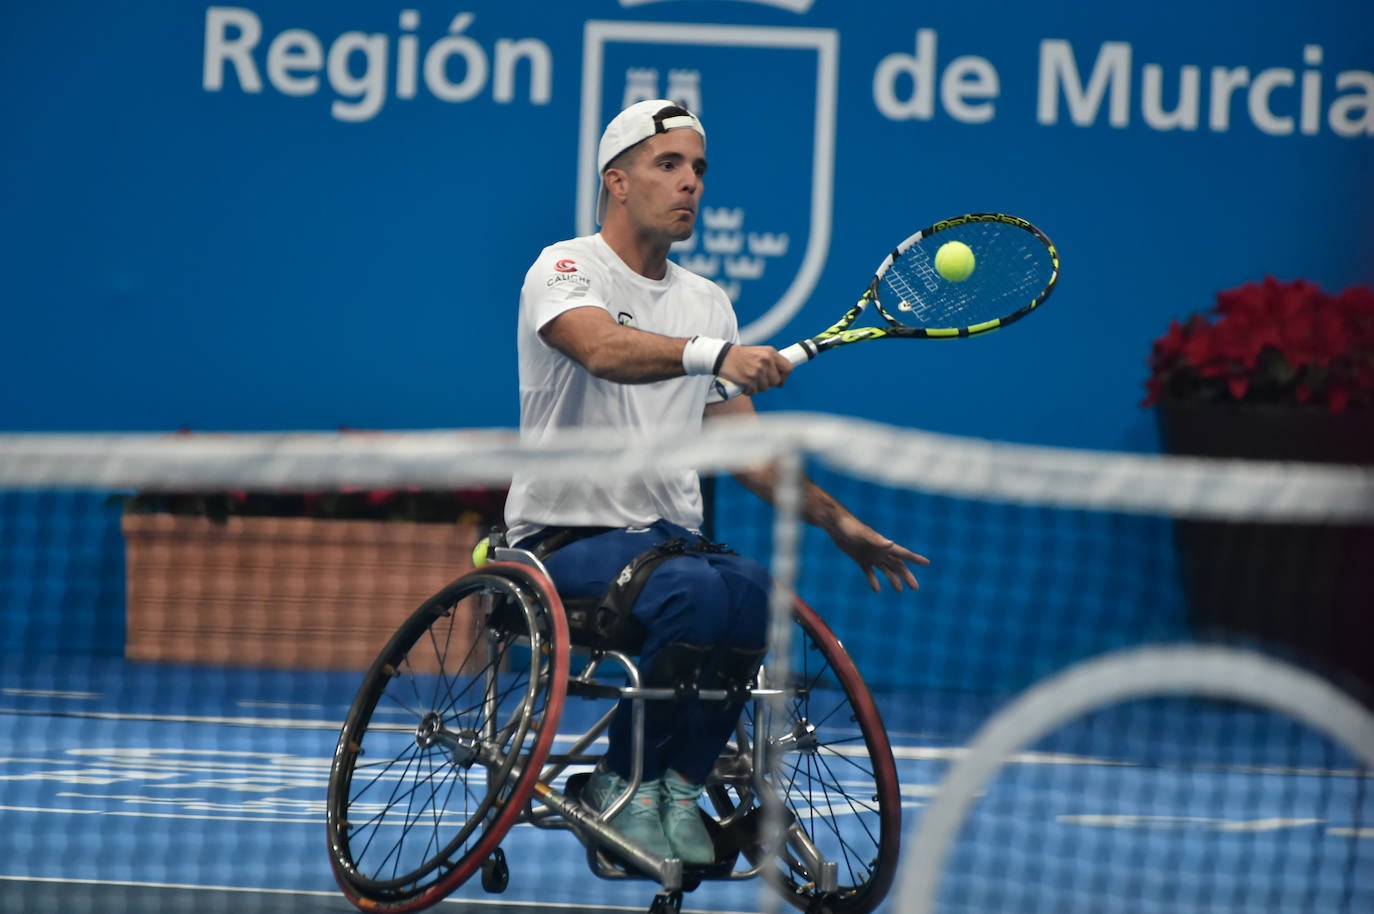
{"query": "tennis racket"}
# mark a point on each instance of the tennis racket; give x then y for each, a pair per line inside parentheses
(1016, 267)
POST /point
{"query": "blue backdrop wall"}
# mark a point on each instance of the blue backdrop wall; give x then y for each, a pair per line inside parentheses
(308, 214)
(318, 214)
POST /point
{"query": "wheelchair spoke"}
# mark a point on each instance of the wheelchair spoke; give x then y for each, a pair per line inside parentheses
(453, 772)
(829, 762)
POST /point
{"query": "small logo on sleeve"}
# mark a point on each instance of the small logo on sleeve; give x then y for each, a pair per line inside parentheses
(568, 277)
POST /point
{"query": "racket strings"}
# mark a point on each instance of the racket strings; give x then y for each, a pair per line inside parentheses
(1011, 270)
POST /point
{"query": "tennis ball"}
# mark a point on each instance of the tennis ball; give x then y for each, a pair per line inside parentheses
(954, 261)
(479, 552)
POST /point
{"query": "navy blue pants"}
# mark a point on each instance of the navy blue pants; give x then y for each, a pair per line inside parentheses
(714, 600)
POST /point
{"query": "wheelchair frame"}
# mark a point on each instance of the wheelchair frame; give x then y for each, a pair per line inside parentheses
(480, 730)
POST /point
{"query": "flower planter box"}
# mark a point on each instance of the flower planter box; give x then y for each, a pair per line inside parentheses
(281, 592)
(1276, 370)
(1307, 587)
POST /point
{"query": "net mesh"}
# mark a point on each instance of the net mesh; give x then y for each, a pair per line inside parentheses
(1177, 805)
(1179, 778)
(178, 659)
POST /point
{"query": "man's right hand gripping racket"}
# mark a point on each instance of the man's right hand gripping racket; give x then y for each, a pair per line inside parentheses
(1015, 268)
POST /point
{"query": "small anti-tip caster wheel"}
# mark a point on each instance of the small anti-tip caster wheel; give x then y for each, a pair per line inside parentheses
(495, 873)
(666, 903)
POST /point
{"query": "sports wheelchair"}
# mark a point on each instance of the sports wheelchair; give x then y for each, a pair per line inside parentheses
(452, 739)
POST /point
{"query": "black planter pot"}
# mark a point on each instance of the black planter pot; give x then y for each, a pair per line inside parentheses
(1307, 588)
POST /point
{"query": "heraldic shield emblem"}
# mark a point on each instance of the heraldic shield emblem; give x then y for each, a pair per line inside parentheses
(766, 97)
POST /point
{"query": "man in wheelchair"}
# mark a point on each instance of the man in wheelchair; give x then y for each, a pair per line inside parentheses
(614, 335)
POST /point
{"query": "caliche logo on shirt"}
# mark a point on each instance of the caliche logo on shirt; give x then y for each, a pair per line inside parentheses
(625, 319)
(567, 277)
(763, 230)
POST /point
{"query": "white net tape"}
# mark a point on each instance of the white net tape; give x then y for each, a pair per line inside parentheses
(920, 461)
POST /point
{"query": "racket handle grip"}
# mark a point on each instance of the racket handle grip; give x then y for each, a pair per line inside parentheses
(797, 354)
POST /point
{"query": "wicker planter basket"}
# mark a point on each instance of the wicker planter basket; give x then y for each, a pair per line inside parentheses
(280, 592)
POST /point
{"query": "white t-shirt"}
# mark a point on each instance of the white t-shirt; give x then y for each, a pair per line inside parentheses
(558, 394)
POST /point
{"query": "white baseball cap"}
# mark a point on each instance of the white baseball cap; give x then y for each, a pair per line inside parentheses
(635, 125)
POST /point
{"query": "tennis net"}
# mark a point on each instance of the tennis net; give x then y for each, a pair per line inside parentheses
(200, 610)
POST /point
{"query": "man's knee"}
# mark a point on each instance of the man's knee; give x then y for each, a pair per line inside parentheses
(750, 589)
(710, 598)
(685, 600)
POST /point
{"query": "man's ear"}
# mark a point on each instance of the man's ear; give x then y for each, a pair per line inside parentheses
(616, 180)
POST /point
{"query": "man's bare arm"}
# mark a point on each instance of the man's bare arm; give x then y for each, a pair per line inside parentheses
(871, 550)
(625, 355)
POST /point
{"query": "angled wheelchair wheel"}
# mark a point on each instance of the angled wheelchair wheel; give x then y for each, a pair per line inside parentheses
(829, 762)
(445, 739)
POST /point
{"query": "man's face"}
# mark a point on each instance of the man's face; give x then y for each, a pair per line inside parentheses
(665, 183)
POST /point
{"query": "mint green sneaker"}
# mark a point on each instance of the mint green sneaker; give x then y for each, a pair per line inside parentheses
(638, 822)
(682, 820)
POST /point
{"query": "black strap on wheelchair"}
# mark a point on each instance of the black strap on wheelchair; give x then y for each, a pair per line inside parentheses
(735, 670)
(678, 667)
(546, 542)
(608, 621)
(565, 536)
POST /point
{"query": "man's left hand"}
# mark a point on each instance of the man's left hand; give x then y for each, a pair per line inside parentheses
(874, 552)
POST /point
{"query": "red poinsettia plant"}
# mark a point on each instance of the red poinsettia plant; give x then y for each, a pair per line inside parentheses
(1271, 342)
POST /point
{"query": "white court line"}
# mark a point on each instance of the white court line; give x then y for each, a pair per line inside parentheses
(50, 693)
(270, 723)
(536, 905)
(955, 753)
(129, 814)
(905, 753)
(279, 705)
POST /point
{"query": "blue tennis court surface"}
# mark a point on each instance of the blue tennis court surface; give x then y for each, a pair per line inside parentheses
(158, 788)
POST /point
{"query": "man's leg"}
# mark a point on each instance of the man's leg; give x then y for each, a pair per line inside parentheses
(683, 608)
(701, 612)
(704, 727)
(585, 568)
(737, 652)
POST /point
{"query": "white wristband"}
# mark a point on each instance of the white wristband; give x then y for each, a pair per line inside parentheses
(702, 354)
